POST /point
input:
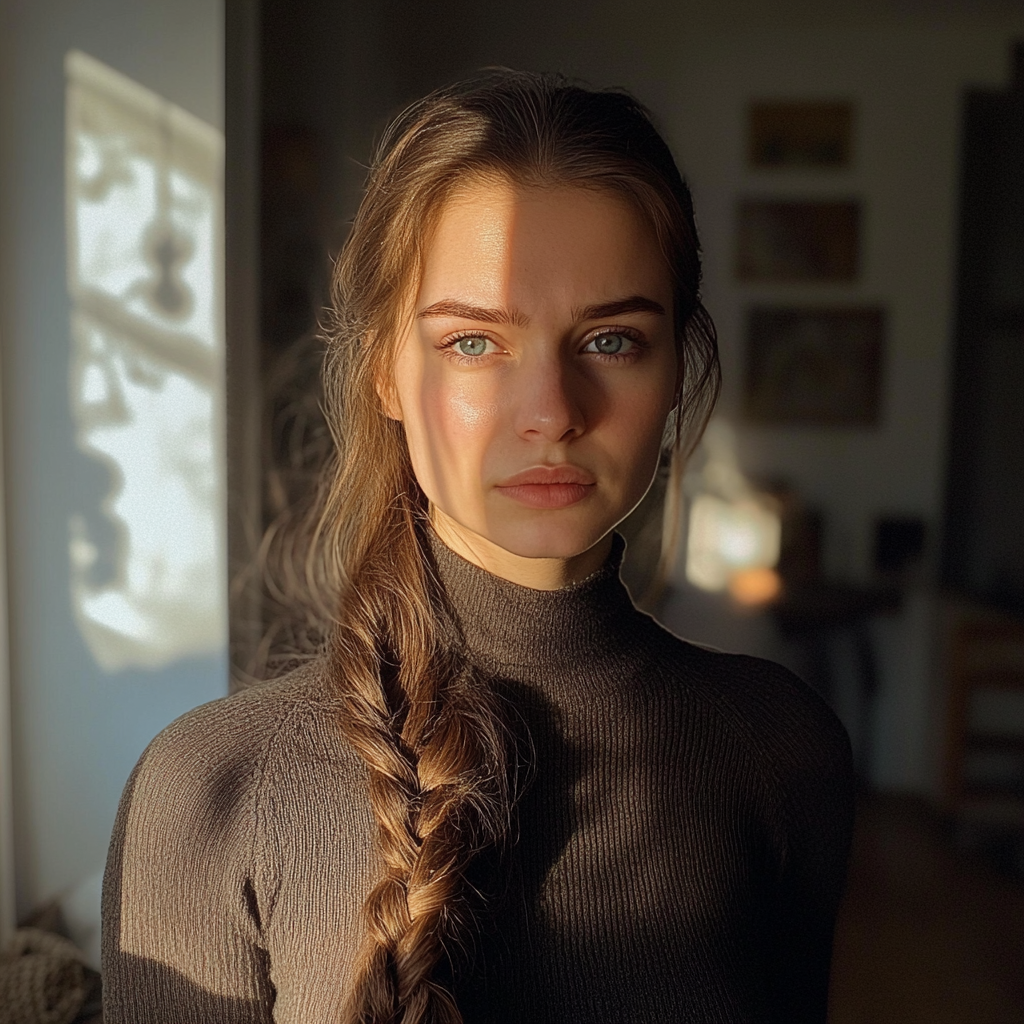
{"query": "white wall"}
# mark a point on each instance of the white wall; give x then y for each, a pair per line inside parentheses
(77, 730)
(905, 66)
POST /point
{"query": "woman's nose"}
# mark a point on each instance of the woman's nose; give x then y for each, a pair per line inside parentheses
(549, 404)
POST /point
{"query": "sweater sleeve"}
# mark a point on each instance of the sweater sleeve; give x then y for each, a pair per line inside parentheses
(186, 891)
(814, 799)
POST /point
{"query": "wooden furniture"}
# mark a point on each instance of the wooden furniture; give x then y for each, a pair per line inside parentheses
(983, 775)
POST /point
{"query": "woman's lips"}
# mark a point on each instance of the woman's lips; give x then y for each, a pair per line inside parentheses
(548, 486)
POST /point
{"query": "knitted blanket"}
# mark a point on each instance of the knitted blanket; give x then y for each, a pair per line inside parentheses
(43, 979)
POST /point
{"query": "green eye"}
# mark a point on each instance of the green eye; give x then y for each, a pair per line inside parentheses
(472, 346)
(610, 344)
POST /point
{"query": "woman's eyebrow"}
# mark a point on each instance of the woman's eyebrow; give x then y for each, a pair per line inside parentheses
(459, 310)
(466, 311)
(619, 307)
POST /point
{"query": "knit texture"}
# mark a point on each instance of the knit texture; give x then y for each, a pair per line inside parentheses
(43, 979)
(681, 849)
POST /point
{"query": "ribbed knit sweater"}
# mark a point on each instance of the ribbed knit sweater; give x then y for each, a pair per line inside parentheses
(681, 851)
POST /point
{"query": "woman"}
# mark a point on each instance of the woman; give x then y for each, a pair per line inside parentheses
(500, 793)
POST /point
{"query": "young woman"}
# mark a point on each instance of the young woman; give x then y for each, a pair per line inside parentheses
(500, 793)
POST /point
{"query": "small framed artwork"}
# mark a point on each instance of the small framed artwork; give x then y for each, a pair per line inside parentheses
(797, 241)
(795, 135)
(814, 366)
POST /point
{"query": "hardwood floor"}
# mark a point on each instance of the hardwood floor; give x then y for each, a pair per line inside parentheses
(928, 933)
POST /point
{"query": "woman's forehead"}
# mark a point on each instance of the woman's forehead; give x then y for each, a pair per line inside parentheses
(498, 242)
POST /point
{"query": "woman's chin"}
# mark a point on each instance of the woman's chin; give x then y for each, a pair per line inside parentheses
(537, 538)
(560, 534)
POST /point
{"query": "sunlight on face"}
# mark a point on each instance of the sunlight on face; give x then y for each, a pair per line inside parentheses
(537, 371)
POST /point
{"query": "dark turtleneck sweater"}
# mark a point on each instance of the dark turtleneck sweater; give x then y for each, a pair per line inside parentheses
(681, 850)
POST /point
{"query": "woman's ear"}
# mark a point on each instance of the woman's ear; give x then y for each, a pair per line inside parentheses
(384, 384)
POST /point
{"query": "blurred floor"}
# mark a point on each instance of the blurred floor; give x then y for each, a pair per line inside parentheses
(928, 933)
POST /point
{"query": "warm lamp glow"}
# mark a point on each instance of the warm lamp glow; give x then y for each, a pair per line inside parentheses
(733, 529)
(756, 586)
(729, 537)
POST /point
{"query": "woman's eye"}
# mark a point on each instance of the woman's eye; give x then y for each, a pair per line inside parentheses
(473, 345)
(611, 344)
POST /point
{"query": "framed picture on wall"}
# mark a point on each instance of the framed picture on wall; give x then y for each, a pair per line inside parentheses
(800, 134)
(797, 241)
(814, 366)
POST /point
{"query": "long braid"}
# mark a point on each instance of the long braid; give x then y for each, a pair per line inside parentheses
(433, 814)
(433, 743)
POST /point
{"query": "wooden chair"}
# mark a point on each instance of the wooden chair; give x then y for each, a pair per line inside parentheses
(983, 777)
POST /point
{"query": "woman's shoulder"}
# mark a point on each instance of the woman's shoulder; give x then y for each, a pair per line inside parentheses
(773, 734)
(780, 715)
(254, 708)
(239, 736)
(225, 775)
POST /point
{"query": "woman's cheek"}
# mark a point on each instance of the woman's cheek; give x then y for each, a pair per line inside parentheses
(639, 417)
(472, 408)
(457, 426)
(473, 424)
(638, 411)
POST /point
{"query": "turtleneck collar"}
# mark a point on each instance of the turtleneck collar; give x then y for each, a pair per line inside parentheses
(509, 627)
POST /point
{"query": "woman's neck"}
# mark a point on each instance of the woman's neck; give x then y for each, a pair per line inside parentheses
(536, 573)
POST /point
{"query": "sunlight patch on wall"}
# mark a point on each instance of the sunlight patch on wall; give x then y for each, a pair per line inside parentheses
(144, 200)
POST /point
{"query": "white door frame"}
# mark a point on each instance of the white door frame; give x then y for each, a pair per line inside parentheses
(7, 890)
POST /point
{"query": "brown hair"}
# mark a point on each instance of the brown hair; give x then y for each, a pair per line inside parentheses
(441, 772)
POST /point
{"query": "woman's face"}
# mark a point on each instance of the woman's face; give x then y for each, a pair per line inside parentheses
(538, 367)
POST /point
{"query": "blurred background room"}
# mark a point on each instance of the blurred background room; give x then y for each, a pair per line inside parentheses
(175, 176)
